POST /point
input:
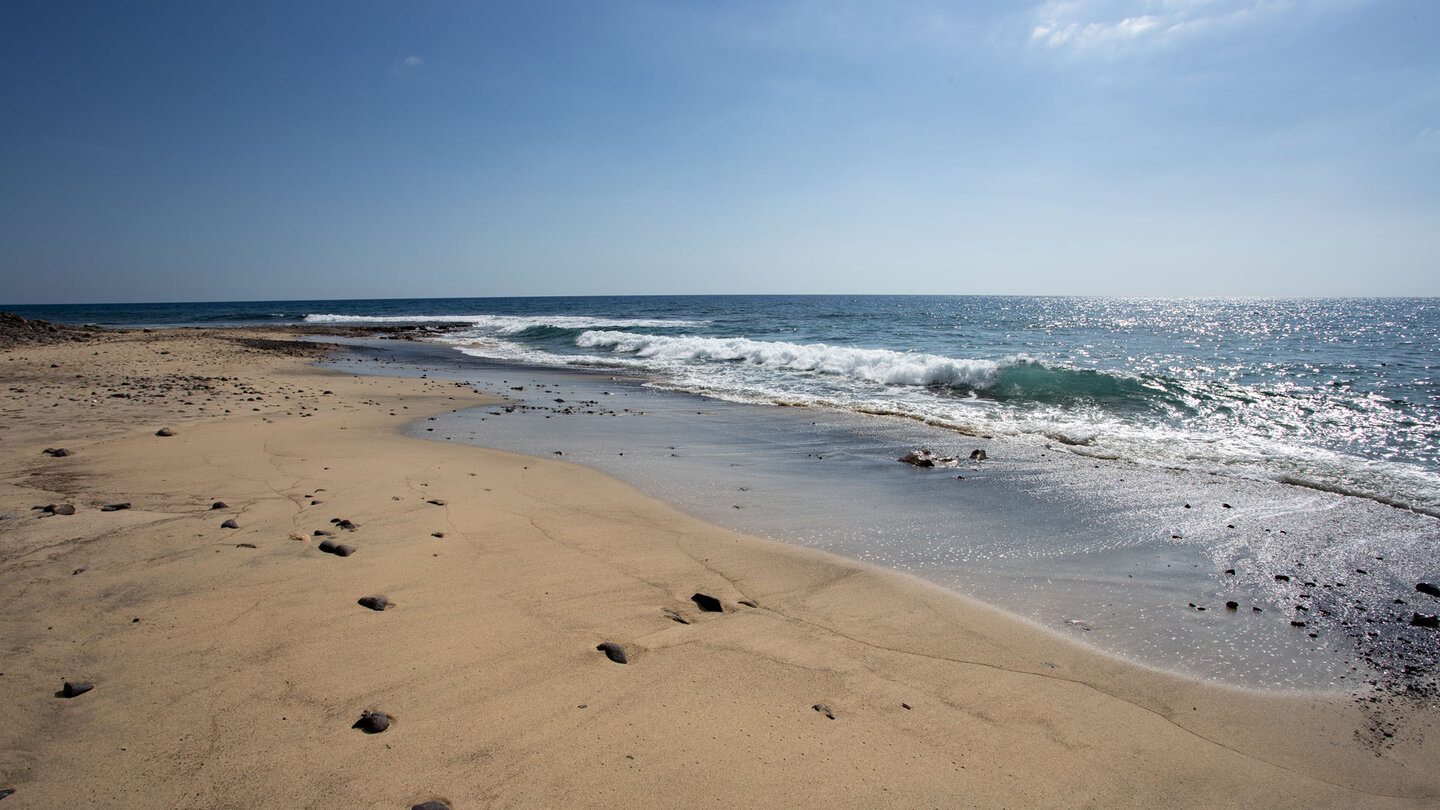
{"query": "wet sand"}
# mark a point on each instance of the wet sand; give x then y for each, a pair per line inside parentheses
(230, 664)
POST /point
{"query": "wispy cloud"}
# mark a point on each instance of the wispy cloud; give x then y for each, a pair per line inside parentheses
(1112, 24)
(409, 64)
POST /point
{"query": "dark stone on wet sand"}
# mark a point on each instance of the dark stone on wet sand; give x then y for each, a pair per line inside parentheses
(1281, 578)
(327, 546)
(372, 722)
(1422, 620)
(614, 652)
(342, 550)
(1232, 605)
(978, 455)
(707, 603)
(433, 804)
(73, 689)
(323, 533)
(230, 524)
(346, 525)
(115, 507)
(57, 452)
(1427, 588)
(823, 709)
(374, 602)
(164, 432)
(219, 505)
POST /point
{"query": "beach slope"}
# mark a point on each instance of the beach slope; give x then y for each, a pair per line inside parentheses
(230, 656)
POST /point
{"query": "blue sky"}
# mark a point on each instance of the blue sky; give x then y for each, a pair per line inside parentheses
(287, 150)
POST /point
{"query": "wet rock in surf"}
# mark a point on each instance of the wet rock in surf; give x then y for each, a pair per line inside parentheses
(926, 458)
(1423, 620)
(707, 603)
(1427, 588)
(978, 455)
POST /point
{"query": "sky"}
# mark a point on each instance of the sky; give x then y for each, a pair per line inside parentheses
(183, 151)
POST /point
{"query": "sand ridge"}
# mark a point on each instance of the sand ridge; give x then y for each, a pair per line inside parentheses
(230, 664)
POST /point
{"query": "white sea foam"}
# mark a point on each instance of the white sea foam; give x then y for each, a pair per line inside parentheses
(507, 324)
(869, 365)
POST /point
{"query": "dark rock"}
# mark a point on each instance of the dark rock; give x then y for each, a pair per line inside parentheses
(77, 571)
(823, 709)
(230, 524)
(614, 652)
(433, 804)
(245, 545)
(1427, 588)
(707, 603)
(346, 525)
(437, 534)
(1422, 620)
(436, 502)
(60, 509)
(164, 432)
(978, 455)
(327, 546)
(323, 533)
(1296, 623)
(115, 507)
(374, 602)
(1281, 578)
(57, 452)
(925, 458)
(1232, 605)
(11, 792)
(1230, 571)
(1225, 506)
(342, 550)
(219, 505)
(372, 722)
(73, 689)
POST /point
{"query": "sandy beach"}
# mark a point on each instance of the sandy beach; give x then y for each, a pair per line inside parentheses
(230, 664)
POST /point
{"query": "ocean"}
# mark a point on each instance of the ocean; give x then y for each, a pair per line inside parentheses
(1149, 460)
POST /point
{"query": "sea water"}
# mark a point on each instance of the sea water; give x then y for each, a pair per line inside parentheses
(1138, 449)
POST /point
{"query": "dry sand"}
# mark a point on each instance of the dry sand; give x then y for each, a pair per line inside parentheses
(230, 664)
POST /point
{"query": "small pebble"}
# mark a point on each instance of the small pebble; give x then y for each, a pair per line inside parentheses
(707, 603)
(372, 722)
(614, 652)
(823, 709)
(72, 689)
(374, 602)
(115, 507)
(164, 432)
(230, 524)
(219, 505)
(433, 804)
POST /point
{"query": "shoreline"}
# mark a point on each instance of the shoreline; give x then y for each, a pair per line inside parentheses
(246, 661)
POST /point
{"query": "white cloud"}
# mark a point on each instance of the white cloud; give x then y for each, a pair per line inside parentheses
(412, 61)
(1113, 24)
